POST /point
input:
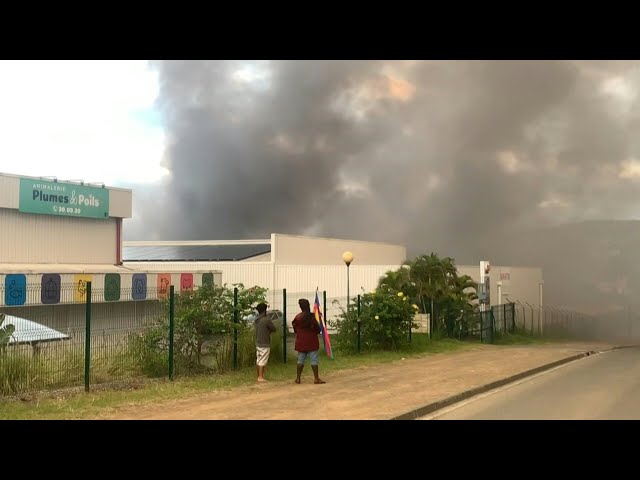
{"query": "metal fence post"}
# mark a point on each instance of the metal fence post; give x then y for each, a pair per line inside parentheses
(481, 328)
(235, 328)
(171, 328)
(504, 317)
(284, 325)
(324, 305)
(359, 325)
(513, 317)
(87, 339)
(410, 321)
(492, 324)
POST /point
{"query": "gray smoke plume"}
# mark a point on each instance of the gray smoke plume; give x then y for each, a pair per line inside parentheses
(458, 157)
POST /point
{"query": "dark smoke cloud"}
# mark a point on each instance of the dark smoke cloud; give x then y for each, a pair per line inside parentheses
(446, 156)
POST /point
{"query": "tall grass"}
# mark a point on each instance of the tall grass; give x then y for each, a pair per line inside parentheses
(519, 336)
(21, 371)
(61, 366)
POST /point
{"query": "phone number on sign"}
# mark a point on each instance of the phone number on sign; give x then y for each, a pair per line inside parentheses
(63, 210)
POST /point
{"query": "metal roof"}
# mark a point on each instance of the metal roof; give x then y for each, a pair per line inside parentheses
(27, 331)
(196, 253)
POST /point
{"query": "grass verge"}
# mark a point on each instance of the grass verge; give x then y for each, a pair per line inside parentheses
(75, 404)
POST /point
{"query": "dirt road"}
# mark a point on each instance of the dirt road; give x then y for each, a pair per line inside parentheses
(372, 392)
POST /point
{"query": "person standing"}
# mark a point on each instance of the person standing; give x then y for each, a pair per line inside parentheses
(307, 329)
(264, 328)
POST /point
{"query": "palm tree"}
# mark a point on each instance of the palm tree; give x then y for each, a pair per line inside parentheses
(459, 302)
(468, 286)
(433, 284)
(396, 280)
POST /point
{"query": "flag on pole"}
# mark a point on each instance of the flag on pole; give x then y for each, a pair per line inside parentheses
(323, 327)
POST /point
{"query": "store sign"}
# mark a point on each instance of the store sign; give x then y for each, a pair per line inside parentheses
(65, 199)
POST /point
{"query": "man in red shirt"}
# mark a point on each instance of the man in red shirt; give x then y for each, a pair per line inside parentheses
(306, 328)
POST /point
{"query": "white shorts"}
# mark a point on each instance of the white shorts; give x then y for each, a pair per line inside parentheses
(262, 356)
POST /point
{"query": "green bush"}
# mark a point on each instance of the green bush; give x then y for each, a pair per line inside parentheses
(385, 318)
(203, 332)
(149, 351)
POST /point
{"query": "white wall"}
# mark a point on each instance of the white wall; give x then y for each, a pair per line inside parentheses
(332, 278)
(298, 250)
(9, 191)
(295, 278)
(120, 203)
(48, 239)
(33, 238)
(518, 284)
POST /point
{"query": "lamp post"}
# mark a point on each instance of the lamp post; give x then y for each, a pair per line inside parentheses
(347, 258)
(540, 286)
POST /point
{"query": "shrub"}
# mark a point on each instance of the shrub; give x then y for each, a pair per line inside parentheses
(385, 318)
(203, 332)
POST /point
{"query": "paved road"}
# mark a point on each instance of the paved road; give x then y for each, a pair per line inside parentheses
(603, 386)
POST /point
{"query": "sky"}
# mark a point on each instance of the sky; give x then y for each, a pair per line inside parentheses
(81, 120)
(436, 155)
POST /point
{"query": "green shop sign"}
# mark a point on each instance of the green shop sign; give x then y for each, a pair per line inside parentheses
(66, 199)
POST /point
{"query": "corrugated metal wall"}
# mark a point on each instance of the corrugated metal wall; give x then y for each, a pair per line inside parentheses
(332, 278)
(249, 274)
(9, 192)
(295, 278)
(32, 238)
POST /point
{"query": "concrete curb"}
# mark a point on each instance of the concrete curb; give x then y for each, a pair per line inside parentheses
(621, 347)
(432, 407)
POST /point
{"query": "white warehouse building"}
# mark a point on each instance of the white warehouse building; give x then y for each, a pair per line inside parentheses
(55, 236)
(301, 264)
(55, 233)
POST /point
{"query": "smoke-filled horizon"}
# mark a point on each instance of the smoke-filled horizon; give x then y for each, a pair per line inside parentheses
(445, 156)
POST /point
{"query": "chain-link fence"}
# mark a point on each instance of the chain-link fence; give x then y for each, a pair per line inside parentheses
(504, 317)
(86, 337)
(72, 342)
(619, 326)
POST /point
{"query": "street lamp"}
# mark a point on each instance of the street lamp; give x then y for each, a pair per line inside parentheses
(347, 258)
(540, 286)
